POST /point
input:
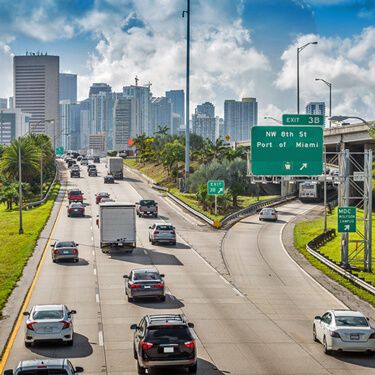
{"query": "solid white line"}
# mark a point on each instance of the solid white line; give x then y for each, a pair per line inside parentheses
(101, 339)
(91, 227)
(224, 279)
(145, 251)
(186, 216)
(92, 238)
(237, 292)
(97, 298)
(94, 271)
(93, 252)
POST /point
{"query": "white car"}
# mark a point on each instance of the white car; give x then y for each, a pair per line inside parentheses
(344, 330)
(49, 323)
(268, 213)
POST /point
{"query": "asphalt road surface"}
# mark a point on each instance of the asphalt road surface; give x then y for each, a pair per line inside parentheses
(262, 325)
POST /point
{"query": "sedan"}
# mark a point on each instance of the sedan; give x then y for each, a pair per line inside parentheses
(100, 196)
(268, 213)
(162, 233)
(49, 323)
(76, 209)
(64, 250)
(144, 283)
(344, 330)
(109, 179)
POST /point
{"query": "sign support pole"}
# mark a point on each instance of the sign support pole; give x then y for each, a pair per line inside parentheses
(325, 192)
(215, 204)
(345, 202)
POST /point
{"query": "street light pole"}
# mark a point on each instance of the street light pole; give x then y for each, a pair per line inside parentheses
(299, 49)
(330, 97)
(274, 119)
(187, 105)
(20, 230)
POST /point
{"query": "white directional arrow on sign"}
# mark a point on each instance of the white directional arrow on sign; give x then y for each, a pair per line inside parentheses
(221, 190)
(304, 165)
(347, 227)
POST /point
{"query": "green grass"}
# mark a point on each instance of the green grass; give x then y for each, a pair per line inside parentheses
(307, 230)
(16, 249)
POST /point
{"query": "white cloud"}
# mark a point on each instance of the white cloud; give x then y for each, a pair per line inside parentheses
(346, 63)
(6, 65)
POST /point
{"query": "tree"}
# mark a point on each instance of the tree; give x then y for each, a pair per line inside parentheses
(9, 193)
(172, 153)
(30, 159)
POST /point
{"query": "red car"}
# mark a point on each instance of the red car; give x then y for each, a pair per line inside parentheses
(76, 209)
(101, 195)
(75, 195)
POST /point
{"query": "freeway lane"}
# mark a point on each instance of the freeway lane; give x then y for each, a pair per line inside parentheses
(236, 334)
(286, 298)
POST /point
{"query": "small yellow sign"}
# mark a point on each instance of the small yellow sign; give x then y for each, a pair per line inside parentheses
(227, 137)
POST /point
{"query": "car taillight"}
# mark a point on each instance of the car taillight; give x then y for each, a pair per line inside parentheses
(55, 251)
(159, 285)
(66, 324)
(173, 232)
(146, 345)
(336, 335)
(30, 326)
(134, 286)
(372, 336)
(75, 251)
(190, 344)
(156, 232)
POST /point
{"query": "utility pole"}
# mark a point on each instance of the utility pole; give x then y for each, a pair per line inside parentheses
(20, 230)
(187, 105)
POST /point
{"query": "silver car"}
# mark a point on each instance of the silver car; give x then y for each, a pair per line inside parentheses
(65, 250)
(44, 367)
(144, 283)
(49, 323)
(162, 232)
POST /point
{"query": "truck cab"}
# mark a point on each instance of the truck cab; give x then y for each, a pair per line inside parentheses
(147, 207)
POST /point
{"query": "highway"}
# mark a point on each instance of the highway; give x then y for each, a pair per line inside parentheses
(259, 325)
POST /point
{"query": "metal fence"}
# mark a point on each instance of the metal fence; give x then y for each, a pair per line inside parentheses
(50, 187)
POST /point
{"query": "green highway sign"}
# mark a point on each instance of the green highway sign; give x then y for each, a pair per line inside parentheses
(59, 150)
(287, 150)
(215, 187)
(315, 120)
(346, 219)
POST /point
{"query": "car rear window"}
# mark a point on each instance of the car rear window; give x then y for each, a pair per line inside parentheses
(168, 334)
(65, 244)
(147, 202)
(164, 227)
(78, 204)
(48, 314)
(43, 371)
(351, 321)
(75, 192)
(149, 276)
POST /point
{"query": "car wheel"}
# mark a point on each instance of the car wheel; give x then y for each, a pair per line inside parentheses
(155, 215)
(53, 260)
(193, 369)
(153, 242)
(162, 298)
(76, 260)
(174, 243)
(130, 299)
(28, 344)
(135, 355)
(141, 370)
(69, 343)
(325, 347)
(314, 334)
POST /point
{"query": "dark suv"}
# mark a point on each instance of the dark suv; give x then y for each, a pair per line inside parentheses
(164, 341)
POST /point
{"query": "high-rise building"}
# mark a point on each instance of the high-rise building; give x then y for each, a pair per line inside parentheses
(36, 91)
(143, 95)
(70, 125)
(177, 98)
(161, 114)
(97, 143)
(219, 133)
(13, 124)
(316, 108)
(206, 108)
(84, 128)
(205, 126)
(124, 121)
(11, 102)
(3, 103)
(239, 118)
(68, 87)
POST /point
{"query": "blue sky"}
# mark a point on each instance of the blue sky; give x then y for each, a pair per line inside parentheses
(240, 47)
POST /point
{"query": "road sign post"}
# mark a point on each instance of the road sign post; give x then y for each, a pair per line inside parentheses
(346, 219)
(295, 119)
(287, 150)
(215, 188)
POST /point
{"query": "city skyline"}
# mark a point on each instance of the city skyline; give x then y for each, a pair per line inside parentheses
(109, 52)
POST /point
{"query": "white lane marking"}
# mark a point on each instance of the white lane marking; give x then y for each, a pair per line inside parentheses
(224, 279)
(94, 271)
(91, 227)
(145, 251)
(186, 216)
(305, 272)
(93, 252)
(101, 339)
(92, 238)
(237, 291)
(97, 299)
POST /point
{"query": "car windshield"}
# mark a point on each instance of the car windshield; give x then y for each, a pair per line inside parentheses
(76, 204)
(75, 192)
(148, 276)
(48, 314)
(164, 227)
(351, 321)
(168, 334)
(104, 194)
(43, 371)
(65, 244)
(267, 210)
(147, 202)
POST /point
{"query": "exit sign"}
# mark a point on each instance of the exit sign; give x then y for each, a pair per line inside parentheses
(294, 119)
(346, 219)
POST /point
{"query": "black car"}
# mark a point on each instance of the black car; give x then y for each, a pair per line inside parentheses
(164, 341)
(96, 159)
(92, 172)
(75, 173)
(71, 162)
(109, 179)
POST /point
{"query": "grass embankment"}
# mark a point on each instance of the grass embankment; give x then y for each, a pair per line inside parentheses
(305, 231)
(160, 176)
(16, 249)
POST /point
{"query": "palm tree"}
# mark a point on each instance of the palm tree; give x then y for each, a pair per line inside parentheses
(30, 159)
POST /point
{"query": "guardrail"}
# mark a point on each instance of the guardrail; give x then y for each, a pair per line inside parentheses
(322, 239)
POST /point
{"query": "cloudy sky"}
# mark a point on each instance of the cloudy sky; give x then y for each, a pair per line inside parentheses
(240, 48)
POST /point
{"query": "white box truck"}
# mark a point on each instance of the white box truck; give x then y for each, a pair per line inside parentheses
(117, 226)
(116, 167)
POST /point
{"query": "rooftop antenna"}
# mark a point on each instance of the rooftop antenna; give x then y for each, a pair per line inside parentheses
(136, 80)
